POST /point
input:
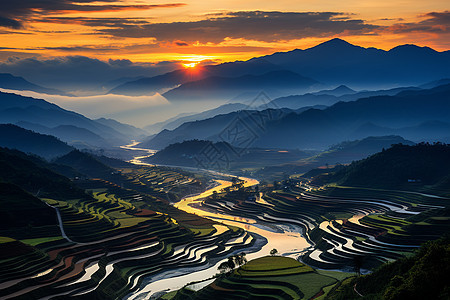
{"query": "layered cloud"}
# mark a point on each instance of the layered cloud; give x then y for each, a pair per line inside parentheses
(14, 13)
(178, 32)
(250, 25)
(434, 22)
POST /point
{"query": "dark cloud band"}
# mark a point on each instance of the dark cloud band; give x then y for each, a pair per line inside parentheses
(14, 14)
(251, 25)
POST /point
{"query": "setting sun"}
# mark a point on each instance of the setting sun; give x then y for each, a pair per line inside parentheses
(190, 65)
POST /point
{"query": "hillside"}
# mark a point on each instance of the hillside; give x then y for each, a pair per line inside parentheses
(212, 128)
(317, 128)
(225, 88)
(125, 129)
(349, 151)
(11, 82)
(334, 158)
(399, 167)
(46, 146)
(42, 115)
(177, 121)
(34, 175)
(20, 210)
(192, 154)
(222, 156)
(422, 276)
(331, 97)
(85, 164)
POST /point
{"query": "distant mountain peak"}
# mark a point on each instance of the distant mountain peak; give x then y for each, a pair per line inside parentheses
(343, 87)
(412, 48)
(335, 43)
(338, 91)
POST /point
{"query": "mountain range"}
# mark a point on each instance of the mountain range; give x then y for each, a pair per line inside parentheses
(9, 81)
(334, 62)
(46, 146)
(339, 62)
(330, 97)
(224, 88)
(318, 129)
(47, 118)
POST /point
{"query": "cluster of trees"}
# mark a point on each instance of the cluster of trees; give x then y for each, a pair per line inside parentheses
(233, 262)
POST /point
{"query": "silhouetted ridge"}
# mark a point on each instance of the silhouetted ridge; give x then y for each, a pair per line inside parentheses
(47, 146)
(400, 166)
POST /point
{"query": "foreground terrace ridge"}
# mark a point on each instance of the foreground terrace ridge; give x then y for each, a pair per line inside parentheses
(114, 245)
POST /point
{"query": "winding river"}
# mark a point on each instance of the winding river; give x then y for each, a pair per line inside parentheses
(287, 239)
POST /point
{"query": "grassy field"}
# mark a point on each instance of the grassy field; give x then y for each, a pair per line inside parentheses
(272, 277)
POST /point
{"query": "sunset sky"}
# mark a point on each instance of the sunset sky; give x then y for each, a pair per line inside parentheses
(217, 31)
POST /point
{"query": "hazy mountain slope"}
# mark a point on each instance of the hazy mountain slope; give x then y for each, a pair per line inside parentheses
(225, 88)
(125, 129)
(158, 84)
(8, 81)
(46, 146)
(189, 131)
(319, 129)
(175, 122)
(214, 128)
(15, 108)
(75, 136)
(338, 91)
(297, 101)
(161, 83)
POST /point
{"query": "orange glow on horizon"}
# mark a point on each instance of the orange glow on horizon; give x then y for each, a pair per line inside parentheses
(114, 30)
(190, 65)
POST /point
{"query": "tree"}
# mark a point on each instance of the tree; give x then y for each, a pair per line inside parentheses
(231, 263)
(273, 252)
(240, 259)
(358, 261)
(224, 267)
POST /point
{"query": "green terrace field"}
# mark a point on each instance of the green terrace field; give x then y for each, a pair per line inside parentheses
(269, 277)
(163, 182)
(110, 242)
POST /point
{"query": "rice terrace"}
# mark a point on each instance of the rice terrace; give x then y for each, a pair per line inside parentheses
(224, 150)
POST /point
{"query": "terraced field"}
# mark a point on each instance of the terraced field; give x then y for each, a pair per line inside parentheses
(269, 277)
(162, 182)
(112, 245)
(348, 228)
